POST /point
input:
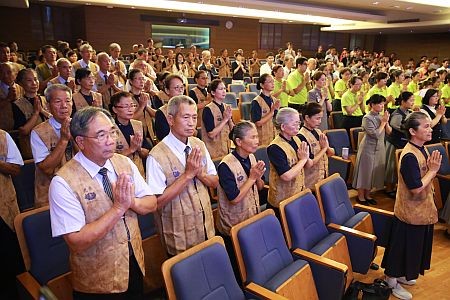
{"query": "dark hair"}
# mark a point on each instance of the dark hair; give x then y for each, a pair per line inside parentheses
(198, 73)
(447, 78)
(352, 80)
(311, 109)
(429, 93)
(300, 61)
(240, 130)
(412, 121)
(212, 87)
(413, 74)
(275, 69)
(375, 99)
(261, 80)
(269, 54)
(317, 75)
(344, 70)
(403, 97)
(70, 53)
(45, 47)
(132, 73)
(82, 73)
(380, 76)
(115, 99)
(362, 73)
(169, 78)
(396, 73)
(21, 75)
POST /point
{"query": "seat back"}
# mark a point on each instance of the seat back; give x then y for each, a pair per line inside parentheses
(230, 99)
(236, 88)
(354, 133)
(24, 185)
(227, 81)
(445, 165)
(255, 79)
(201, 272)
(247, 97)
(247, 80)
(261, 154)
(45, 257)
(335, 120)
(146, 225)
(302, 222)
(245, 100)
(338, 139)
(252, 88)
(190, 80)
(260, 248)
(333, 199)
(190, 86)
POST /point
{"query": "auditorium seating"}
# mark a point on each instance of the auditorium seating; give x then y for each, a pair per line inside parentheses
(245, 100)
(236, 88)
(24, 185)
(443, 175)
(252, 88)
(356, 134)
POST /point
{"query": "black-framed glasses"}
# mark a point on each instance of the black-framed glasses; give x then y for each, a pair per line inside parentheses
(126, 106)
(102, 136)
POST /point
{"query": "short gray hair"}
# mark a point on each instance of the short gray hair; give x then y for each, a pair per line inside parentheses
(284, 115)
(83, 117)
(174, 104)
(56, 87)
(102, 55)
(113, 46)
(62, 60)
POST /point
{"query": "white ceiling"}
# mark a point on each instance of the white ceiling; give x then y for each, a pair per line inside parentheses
(362, 16)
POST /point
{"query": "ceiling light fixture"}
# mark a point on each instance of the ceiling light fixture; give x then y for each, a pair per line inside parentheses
(439, 3)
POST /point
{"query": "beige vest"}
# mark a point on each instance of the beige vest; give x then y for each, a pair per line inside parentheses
(27, 109)
(122, 69)
(104, 267)
(187, 219)
(42, 180)
(80, 102)
(267, 132)
(201, 99)
(44, 71)
(122, 145)
(224, 69)
(230, 213)
(7, 118)
(279, 189)
(416, 209)
(106, 95)
(147, 120)
(219, 145)
(8, 201)
(56, 80)
(320, 170)
(163, 97)
(92, 66)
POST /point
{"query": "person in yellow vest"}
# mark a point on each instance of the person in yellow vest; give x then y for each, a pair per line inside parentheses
(173, 85)
(408, 253)
(200, 94)
(9, 92)
(86, 52)
(86, 96)
(341, 86)
(64, 74)
(131, 141)
(117, 66)
(11, 260)
(297, 82)
(217, 122)
(47, 70)
(371, 157)
(180, 171)
(106, 83)
(240, 179)
(288, 156)
(395, 89)
(445, 96)
(264, 109)
(51, 142)
(28, 111)
(317, 167)
(280, 85)
(94, 202)
(353, 104)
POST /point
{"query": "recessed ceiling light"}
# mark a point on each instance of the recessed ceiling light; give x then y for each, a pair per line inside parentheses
(133, 7)
(396, 6)
(109, 6)
(88, 3)
(290, 21)
(376, 3)
(409, 7)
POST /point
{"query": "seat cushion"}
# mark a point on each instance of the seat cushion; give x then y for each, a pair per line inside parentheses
(206, 275)
(326, 243)
(284, 274)
(355, 219)
(336, 203)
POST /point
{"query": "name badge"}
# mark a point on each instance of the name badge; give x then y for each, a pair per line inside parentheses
(176, 173)
(264, 111)
(90, 196)
(240, 178)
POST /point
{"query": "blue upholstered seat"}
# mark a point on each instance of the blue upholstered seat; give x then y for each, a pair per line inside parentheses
(24, 185)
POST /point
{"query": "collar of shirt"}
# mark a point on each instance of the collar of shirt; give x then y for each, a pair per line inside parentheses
(432, 108)
(113, 61)
(62, 80)
(102, 75)
(4, 87)
(49, 66)
(83, 64)
(240, 158)
(56, 125)
(175, 144)
(91, 167)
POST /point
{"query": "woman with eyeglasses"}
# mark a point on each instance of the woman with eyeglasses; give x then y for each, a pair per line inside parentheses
(130, 141)
(85, 96)
(174, 86)
(436, 112)
(288, 156)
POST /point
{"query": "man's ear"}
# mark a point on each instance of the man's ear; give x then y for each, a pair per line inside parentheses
(170, 120)
(80, 142)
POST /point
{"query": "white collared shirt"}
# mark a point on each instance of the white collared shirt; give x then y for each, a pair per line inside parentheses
(38, 148)
(155, 175)
(66, 212)
(265, 69)
(5, 88)
(13, 154)
(60, 80)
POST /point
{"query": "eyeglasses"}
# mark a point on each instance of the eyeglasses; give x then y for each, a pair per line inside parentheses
(178, 87)
(102, 136)
(126, 106)
(203, 78)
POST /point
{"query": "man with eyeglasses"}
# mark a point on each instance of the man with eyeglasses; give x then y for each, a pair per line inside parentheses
(94, 202)
(51, 143)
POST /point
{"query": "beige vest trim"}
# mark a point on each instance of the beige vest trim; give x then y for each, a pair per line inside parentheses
(147, 120)
(320, 170)
(224, 69)
(106, 95)
(8, 201)
(217, 146)
(122, 145)
(42, 181)
(279, 189)
(201, 99)
(234, 213)
(267, 132)
(184, 220)
(163, 97)
(122, 69)
(80, 102)
(104, 267)
(416, 209)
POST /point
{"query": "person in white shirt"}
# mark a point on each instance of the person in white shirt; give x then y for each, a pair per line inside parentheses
(267, 67)
(180, 171)
(64, 71)
(86, 52)
(117, 66)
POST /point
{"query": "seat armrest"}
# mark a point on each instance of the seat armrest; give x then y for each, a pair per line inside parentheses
(28, 285)
(442, 176)
(341, 159)
(312, 257)
(381, 220)
(350, 231)
(262, 292)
